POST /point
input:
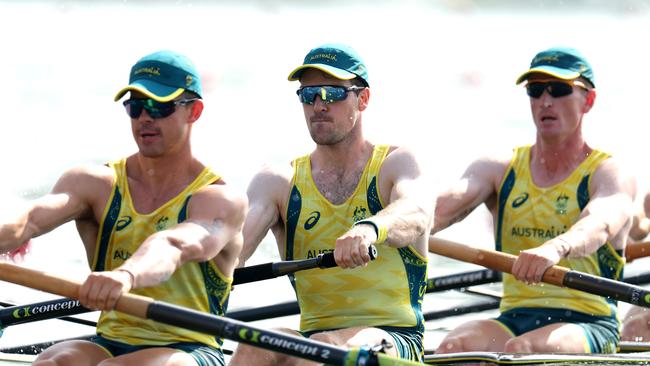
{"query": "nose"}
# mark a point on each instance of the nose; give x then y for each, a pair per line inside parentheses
(319, 105)
(546, 98)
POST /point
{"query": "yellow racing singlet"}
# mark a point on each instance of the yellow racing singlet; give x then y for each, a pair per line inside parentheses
(528, 216)
(200, 286)
(388, 292)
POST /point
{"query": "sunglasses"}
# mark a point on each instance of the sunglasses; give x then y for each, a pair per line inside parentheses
(555, 88)
(328, 94)
(134, 107)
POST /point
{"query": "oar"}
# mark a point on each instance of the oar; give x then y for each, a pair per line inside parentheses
(234, 330)
(491, 304)
(59, 308)
(637, 250)
(276, 269)
(555, 275)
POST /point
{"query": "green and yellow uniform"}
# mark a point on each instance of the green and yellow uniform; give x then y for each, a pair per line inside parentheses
(386, 294)
(528, 216)
(199, 286)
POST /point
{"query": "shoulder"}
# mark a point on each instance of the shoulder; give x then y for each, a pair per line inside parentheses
(611, 173)
(271, 179)
(219, 201)
(86, 177)
(401, 161)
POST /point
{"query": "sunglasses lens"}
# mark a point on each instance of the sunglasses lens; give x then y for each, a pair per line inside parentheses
(155, 109)
(559, 89)
(328, 94)
(133, 107)
(535, 90)
(555, 88)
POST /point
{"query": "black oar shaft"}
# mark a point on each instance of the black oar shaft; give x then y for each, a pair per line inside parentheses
(41, 311)
(241, 332)
(276, 269)
(463, 279)
(609, 288)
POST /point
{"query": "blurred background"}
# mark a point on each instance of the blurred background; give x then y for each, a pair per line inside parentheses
(442, 76)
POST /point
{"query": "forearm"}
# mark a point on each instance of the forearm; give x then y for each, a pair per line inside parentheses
(583, 239)
(404, 221)
(15, 233)
(153, 263)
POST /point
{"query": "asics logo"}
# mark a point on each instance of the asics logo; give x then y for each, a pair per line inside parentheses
(122, 223)
(520, 200)
(312, 220)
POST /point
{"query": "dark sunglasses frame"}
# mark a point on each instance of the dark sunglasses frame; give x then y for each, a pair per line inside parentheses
(555, 88)
(328, 93)
(155, 109)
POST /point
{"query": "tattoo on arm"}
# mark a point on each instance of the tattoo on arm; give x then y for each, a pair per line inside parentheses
(461, 216)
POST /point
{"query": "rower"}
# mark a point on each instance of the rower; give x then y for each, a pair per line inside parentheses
(158, 223)
(347, 194)
(558, 201)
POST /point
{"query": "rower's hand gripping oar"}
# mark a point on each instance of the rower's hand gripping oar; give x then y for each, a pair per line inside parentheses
(276, 269)
(58, 308)
(234, 330)
(555, 275)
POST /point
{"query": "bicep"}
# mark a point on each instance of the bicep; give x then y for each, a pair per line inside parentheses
(69, 199)
(477, 185)
(612, 198)
(264, 212)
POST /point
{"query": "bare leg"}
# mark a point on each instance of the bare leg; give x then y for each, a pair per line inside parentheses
(72, 353)
(479, 335)
(557, 337)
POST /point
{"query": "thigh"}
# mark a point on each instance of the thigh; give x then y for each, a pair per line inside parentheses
(479, 335)
(557, 337)
(155, 356)
(78, 353)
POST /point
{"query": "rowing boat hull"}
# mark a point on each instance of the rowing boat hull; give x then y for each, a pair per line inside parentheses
(8, 359)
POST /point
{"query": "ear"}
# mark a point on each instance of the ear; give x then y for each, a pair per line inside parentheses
(197, 110)
(591, 98)
(364, 98)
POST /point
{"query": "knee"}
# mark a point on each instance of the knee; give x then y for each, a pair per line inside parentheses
(249, 355)
(451, 345)
(58, 359)
(518, 345)
(324, 337)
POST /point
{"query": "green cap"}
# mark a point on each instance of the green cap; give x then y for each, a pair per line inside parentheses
(338, 60)
(163, 76)
(560, 62)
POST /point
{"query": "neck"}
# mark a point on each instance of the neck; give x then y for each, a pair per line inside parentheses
(161, 172)
(553, 162)
(340, 157)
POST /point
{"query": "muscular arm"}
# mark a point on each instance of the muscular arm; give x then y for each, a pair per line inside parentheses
(71, 198)
(405, 219)
(477, 185)
(265, 196)
(215, 219)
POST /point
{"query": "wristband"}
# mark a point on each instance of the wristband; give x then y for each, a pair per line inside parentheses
(130, 274)
(380, 230)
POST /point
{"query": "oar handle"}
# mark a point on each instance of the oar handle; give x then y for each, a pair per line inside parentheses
(267, 271)
(637, 250)
(326, 260)
(128, 303)
(498, 261)
(555, 275)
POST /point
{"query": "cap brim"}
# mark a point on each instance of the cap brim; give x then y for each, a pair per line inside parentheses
(336, 72)
(551, 71)
(151, 89)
